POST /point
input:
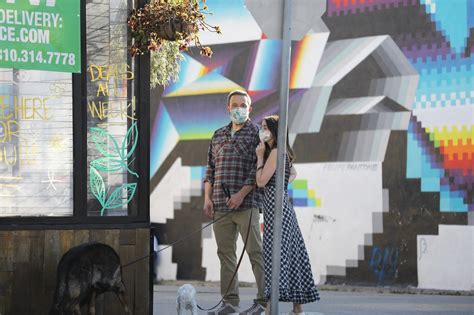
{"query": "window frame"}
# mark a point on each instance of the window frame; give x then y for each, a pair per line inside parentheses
(141, 201)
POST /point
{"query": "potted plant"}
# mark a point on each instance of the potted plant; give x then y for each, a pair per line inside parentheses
(166, 28)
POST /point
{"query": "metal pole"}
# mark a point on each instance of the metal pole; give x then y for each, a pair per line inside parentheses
(281, 157)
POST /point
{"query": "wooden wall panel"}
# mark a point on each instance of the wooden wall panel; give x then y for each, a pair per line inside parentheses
(6, 271)
(128, 237)
(112, 238)
(66, 241)
(6, 283)
(5, 305)
(50, 263)
(21, 246)
(127, 254)
(39, 297)
(81, 237)
(98, 236)
(29, 259)
(142, 249)
(6, 251)
(21, 289)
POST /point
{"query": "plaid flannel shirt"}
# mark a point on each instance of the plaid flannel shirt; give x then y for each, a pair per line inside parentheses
(232, 160)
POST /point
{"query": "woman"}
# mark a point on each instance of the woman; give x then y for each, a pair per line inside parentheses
(296, 282)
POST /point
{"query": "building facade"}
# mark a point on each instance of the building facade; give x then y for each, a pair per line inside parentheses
(74, 148)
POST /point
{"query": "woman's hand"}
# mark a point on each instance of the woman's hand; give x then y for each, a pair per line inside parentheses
(260, 150)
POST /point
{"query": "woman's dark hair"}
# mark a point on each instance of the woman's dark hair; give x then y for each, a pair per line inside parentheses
(272, 125)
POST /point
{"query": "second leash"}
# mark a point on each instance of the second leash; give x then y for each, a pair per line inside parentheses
(177, 241)
(236, 268)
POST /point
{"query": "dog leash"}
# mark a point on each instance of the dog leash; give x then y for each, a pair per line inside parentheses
(197, 231)
(176, 242)
(236, 268)
(227, 193)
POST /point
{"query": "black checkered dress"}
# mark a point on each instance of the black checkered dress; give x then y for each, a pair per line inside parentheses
(296, 279)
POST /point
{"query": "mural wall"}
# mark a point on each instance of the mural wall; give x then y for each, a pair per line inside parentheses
(381, 118)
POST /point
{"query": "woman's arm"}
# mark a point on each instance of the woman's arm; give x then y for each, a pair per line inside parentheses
(264, 174)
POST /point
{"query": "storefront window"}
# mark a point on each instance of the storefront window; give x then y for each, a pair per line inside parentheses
(59, 129)
(36, 155)
(112, 126)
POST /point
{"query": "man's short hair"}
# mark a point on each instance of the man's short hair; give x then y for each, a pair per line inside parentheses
(239, 92)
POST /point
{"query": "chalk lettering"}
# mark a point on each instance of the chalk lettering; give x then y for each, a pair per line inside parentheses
(114, 71)
(8, 155)
(9, 130)
(104, 110)
(24, 108)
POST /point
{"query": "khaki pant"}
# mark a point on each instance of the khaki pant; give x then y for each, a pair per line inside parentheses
(226, 232)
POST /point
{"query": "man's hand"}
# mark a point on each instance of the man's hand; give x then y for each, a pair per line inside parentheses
(235, 201)
(208, 208)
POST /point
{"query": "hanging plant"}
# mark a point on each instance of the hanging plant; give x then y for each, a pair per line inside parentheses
(165, 64)
(166, 28)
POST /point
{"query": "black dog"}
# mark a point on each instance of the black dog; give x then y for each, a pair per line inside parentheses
(84, 272)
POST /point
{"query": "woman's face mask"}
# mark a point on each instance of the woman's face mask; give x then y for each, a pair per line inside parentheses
(239, 115)
(265, 135)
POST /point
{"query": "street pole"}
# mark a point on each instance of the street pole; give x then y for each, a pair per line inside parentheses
(281, 156)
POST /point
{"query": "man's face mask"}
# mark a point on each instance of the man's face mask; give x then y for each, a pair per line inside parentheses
(265, 135)
(239, 115)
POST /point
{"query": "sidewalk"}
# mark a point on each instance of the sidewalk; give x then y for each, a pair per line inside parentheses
(334, 300)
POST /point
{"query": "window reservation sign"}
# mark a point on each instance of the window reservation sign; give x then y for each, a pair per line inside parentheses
(40, 35)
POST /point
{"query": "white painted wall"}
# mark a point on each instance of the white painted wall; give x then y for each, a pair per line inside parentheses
(446, 261)
(171, 189)
(167, 270)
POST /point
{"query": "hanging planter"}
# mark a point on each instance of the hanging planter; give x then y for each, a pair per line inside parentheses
(172, 23)
(165, 28)
(175, 29)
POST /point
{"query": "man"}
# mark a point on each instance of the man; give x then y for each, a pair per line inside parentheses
(232, 161)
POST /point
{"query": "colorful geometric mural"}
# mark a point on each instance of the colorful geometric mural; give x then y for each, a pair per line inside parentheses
(301, 196)
(444, 162)
(384, 82)
(444, 107)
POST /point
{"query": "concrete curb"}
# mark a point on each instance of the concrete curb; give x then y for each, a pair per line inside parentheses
(212, 286)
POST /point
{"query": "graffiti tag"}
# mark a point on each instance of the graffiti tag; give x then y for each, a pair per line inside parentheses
(384, 263)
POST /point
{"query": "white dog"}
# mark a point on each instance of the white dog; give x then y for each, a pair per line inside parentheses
(186, 299)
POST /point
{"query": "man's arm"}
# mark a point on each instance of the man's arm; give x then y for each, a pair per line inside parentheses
(208, 208)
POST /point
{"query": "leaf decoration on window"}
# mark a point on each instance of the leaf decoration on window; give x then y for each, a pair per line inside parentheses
(104, 142)
(120, 196)
(108, 164)
(130, 139)
(97, 186)
(115, 159)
